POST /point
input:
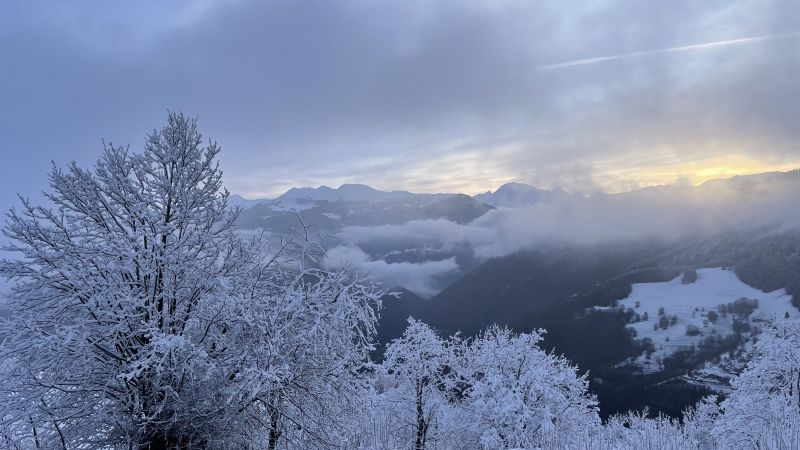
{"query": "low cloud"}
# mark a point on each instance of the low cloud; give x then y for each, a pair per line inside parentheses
(663, 213)
(416, 277)
(438, 231)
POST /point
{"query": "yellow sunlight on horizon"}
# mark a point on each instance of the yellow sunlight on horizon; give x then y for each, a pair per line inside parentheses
(696, 172)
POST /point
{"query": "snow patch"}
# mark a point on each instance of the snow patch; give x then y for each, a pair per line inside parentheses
(691, 303)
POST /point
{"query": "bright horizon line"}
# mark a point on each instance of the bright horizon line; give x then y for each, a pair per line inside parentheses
(695, 181)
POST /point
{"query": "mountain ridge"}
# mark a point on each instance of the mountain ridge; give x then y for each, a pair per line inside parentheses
(524, 193)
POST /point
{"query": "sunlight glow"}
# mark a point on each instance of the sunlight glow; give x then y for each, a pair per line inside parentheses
(695, 172)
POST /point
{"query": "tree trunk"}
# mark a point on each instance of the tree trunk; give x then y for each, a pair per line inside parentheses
(422, 425)
(274, 425)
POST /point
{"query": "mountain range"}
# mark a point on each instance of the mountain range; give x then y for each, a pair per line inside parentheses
(378, 231)
(535, 258)
(515, 195)
(508, 195)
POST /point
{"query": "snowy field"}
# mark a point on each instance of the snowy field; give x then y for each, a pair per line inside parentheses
(691, 304)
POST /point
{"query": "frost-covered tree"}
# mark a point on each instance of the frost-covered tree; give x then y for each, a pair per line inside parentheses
(520, 395)
(635, 430)
(421, 364)
(140, 320)
(302, 341)
(765, 401)
(699, 422)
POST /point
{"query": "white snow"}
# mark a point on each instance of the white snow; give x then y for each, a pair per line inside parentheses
(511, 195)
(691, 303)
(347, 192)
(519, 195)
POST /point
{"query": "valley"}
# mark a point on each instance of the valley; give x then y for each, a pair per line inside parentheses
(617, 302)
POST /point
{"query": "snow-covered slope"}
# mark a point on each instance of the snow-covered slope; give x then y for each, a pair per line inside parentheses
(238, 200)
(691, 304)
(331, 209)
(347, 192)
(515, 195)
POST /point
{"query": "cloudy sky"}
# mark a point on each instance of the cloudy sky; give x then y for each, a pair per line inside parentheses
(419, 95)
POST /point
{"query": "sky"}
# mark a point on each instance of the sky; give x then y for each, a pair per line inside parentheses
(426, 96)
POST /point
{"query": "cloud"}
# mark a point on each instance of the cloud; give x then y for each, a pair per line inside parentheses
(661, 213)
(418, 95)
(388, 93)
(682, 48)
(438, 231)
(416, 277)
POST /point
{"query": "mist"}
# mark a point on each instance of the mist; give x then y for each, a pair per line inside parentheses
(748, 204)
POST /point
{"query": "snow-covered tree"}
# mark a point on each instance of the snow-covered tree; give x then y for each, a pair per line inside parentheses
(520, 395)
(301, 342)
(635, 430)
(765, 401)
(421, 364)
(139, 319)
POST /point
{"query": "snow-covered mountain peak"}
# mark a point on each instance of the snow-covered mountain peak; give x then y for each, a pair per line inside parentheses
(237, 200)
(347, 192)
(514, 195)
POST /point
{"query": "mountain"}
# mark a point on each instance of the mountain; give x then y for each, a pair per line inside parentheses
(744, 183)
(518, 289)
(348, 192)
(238, 200)
(458, 208)
(586, 297)
(394, 314)
(515, 195)
(541, 286)
(577, 268)
(698, 312)
(331, 209)
(336, 224)
(388, 234)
